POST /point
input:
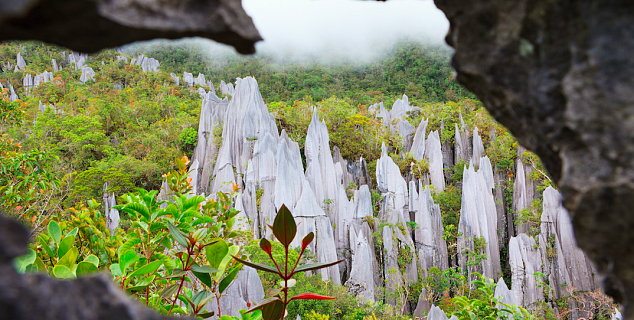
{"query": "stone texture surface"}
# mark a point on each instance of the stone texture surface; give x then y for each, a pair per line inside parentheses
(37, 296)
(433, 153)
(558, 75)
(478, 218)
(89, 26)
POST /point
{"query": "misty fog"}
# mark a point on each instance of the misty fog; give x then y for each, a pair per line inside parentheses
(325, 30)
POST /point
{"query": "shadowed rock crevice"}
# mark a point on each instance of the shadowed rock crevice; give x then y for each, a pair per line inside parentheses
(558, 74)
(89, 26)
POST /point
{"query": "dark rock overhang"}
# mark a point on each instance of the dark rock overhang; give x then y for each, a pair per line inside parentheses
(91, 25)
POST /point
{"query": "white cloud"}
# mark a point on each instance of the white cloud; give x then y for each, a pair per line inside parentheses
(343, 27)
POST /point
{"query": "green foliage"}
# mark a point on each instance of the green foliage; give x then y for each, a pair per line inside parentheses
(487, 306)
(449, 201)
(285, 229)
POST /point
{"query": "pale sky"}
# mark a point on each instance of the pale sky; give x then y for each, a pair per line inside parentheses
(350, 27)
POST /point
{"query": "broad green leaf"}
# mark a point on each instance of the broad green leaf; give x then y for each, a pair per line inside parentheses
(65, 245)
(47, 248)
(41, 267)
(148, 268)
(203, 277)
(73, 232)
(176, 273)
(20, 263)
(257, 266)
(69, 258)
(199, 297)
(225, 317)
(54, 231)
(315, 266)
(169, 291)
(228, 279)
(216, 253)
(233, 250)
(126, 259)
(177, 235)
(63, 272)
(207, 299)
(284, 227)
(116, 270)
(85, 267)
(128, 245)
(206, 315)
(92, 259)
(203, 269)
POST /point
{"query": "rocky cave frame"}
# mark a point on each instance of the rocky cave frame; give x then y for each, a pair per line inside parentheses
(557, 73)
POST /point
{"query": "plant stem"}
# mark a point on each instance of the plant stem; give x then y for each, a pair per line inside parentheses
(185, 268)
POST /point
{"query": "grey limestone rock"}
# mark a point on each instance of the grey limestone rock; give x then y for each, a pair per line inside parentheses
(200, 80)
(175, 78)
(112, 215)
(227, 88)
(478, 218)
(401, 107)
(418, 145)
(150, 65)
(20, 63)
(428, 237)
(188, 78)
(54, 65)
(478, 147)
(27, 81)
(246, 288)
(87, 74)
(320, 167)
(361, 283)
(503, 293)
(14, 96)
(406, 131)
(392, 187)
(435, 313)
(433, 152)
(525, 260)
(462, 146)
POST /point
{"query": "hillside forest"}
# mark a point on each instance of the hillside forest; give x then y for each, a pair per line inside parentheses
(165, 165)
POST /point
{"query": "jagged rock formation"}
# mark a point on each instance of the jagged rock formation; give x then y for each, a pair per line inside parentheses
(227, 88)
(200, 80)
(78, 59)
(548, 70)
(90, 26)
(188, 79)
(430, 246)
(112, 215)
(525, 260)
(175, 78)
(503, 293)
(418, 144)
(433, 152)
(478, 220)
(246, 288)
(20, 63)
(435, 313)
(37, 296)
(87, 74)
(393, 189)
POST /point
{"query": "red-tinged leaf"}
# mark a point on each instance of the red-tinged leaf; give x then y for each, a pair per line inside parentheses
(307, 240)
(265, 245)
(273, 311)
(315, 266)
(284, 227)
(264, 303)
(311, 296)
(258, 266)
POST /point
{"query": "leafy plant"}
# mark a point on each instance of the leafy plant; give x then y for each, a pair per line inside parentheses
(285, 229)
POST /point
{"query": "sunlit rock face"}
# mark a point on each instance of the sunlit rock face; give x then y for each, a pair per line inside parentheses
(558, 75)
(478, 221)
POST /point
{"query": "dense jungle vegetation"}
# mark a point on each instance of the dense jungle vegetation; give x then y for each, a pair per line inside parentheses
(126, 128)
